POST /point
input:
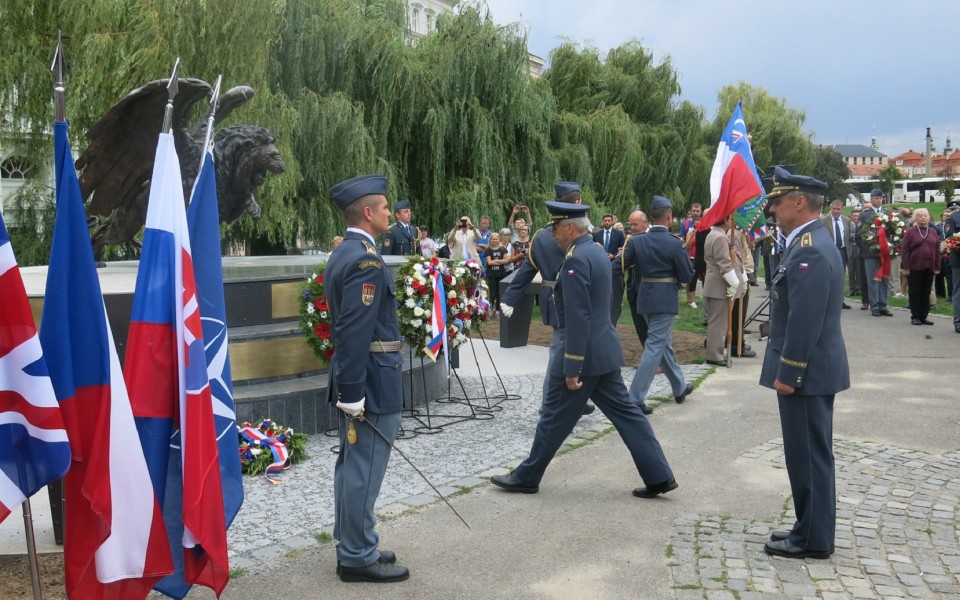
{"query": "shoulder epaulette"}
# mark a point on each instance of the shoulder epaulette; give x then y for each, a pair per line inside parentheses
(530, 250)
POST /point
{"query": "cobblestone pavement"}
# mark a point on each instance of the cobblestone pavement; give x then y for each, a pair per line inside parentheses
(462, 456)
(897, 535)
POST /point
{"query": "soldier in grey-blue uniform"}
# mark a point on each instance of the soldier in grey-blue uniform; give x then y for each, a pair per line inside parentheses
(365, 377)
(806, 361)
(544, 257)
(877, 289)
(663, 266)
(589, 366)
(403, 237)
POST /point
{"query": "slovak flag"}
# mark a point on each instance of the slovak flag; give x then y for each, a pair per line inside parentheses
(734, 179)
(166, 373)
(33, 441)
(115, 544)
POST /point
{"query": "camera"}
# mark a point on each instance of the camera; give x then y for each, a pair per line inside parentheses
(463, 222)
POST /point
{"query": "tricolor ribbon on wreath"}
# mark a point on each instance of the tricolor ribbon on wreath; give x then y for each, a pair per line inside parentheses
(884, 246)
(257, 438)
(438, 318)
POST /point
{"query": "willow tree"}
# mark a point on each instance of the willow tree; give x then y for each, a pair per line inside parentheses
(622, 110)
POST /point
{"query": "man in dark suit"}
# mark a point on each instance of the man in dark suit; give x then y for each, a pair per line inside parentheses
(638, 225)
(366, 380)
(663, 266)
(544, 257)
(876, 289)
(838, 225)
(402, 238)
(589, 366)
(612, 240)
(806, 362)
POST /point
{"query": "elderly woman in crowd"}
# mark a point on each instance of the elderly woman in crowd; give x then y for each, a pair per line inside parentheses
(920, 262)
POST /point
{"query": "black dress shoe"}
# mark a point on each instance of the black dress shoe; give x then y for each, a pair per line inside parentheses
(886, 312)
(926, 321)
(864, 306)
(588, 409)
(652, 491)
(874, 313)
(378, 572)
(686, 392)
(387, 557)
(776, 536)
(916, 322)
(512, 483)
(720, 363)
(747, 353)
(646, 409)
(787, 550)
(845, 305)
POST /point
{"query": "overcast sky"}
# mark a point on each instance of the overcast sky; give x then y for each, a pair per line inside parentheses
(851, 65)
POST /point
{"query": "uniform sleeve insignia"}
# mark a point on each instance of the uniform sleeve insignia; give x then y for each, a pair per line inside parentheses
(806, 239)
(572, 356)
(386, 240)
(367, 294)
(804, 266)
(570, 273)
(372, 250)
(370, 264)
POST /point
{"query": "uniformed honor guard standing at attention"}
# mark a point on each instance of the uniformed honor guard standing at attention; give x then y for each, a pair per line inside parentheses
(403, 238)
(588, 365)
(365, 377)
(662, 266)
(806, 361)
(544, 257)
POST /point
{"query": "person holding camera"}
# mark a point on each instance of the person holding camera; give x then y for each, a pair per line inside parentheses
(515, 222)
(464, 241)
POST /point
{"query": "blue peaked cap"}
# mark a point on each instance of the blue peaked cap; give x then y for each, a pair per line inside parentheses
(401, 205)
(876, 192)
(346, 192)
(785, 182)
(560, 211)
(661, 202)
(562, 188)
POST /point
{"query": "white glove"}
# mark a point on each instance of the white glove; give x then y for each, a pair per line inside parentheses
(354, 409)
(733, 283)
(742, 289)
(506, 309)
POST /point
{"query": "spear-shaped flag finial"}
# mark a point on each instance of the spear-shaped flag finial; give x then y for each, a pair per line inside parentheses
(172, 89)
(59, 91)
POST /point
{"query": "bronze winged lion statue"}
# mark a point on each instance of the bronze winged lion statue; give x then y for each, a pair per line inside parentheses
(118, 163)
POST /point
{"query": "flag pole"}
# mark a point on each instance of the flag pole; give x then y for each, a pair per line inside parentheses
(34, 562)
(172, 89)
(214, 98)
(730, 301)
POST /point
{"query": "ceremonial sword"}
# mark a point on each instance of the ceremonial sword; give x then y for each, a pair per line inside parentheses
(409, 462)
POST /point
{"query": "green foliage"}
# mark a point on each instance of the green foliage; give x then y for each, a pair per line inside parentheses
(833, 170)
(453, 118)
(30, 224)
(887, 179)
(948, 186)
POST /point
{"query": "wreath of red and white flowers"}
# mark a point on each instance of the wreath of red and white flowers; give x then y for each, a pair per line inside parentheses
(466, 300)
(315, 316)
(950, 245)
(892, 226)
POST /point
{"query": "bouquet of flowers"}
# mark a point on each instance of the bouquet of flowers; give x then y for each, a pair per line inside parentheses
(949, 245)
(267, 446)
(465, 294)
(893, 227)
(315, 316)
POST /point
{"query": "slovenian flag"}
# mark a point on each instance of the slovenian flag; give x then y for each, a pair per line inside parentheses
(166, 373)
(115, 544)
(733, 180)
(33, 441)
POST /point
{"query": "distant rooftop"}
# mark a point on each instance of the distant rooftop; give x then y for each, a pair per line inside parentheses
(850, 150)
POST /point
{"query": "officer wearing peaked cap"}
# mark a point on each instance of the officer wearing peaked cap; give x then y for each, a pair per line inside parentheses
(544, 257)
(588, 366)
(403, 237)
(365, 377)
(662, 265)
(806, 361)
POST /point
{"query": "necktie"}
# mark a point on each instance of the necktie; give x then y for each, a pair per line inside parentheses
(837, 235)
(606, 240)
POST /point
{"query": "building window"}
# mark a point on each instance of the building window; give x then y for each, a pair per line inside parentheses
(415, 20)
(16, 167)
(431, 21)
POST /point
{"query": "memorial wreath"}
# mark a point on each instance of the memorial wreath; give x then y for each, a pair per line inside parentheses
(950, 245)
(315, 316)
(266, 447)
(892, 227)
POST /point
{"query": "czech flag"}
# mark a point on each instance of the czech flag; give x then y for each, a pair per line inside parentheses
(166, 373)
(733, 180)
(438, 317)
(115, 544)
(33, 441)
